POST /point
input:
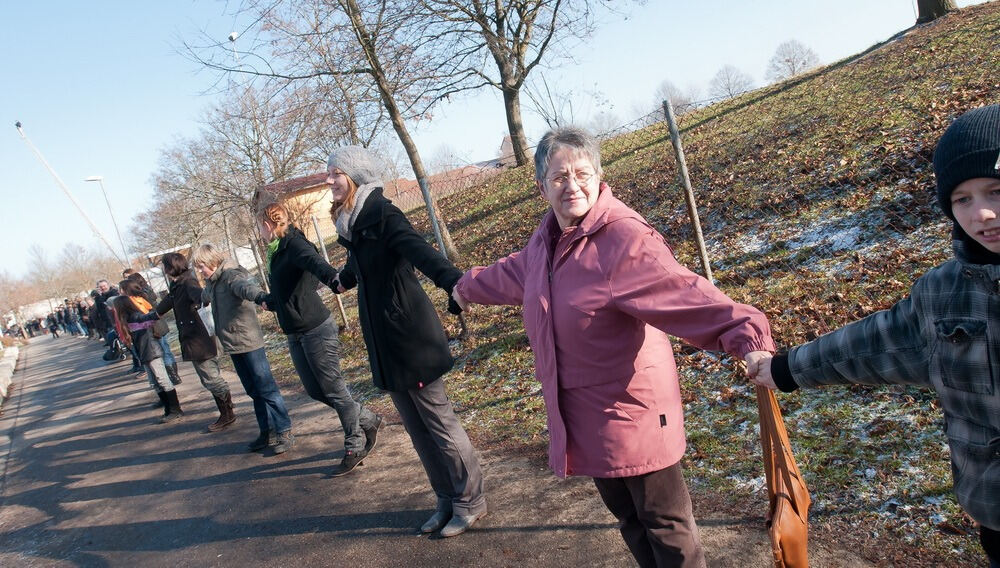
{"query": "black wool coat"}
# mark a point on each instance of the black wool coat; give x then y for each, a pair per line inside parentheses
(184, 297)
(407, 347)
(297, 268)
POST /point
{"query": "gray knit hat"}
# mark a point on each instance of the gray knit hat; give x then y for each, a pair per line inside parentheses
(969, 148)
(360, 164)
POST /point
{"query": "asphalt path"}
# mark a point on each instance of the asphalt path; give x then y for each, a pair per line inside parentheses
(89, 477)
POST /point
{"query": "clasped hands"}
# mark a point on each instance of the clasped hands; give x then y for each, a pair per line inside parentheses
(759, 368)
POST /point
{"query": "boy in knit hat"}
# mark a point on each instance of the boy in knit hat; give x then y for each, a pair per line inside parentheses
(946, 334)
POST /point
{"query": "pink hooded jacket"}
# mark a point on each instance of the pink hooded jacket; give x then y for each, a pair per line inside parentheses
(599, 300)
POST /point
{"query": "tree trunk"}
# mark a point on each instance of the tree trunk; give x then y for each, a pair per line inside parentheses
(930, 10)
(437, 223)
(367, 43)
(512, 107)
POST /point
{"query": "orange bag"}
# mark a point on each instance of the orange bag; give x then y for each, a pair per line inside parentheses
(788, 513)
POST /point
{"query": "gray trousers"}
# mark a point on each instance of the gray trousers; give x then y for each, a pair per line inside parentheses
(157, 375)
(316, 356)
(211, 377)
(443, 447)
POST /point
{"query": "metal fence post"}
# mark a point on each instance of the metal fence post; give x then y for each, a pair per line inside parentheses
(675, 139)
(326, 255)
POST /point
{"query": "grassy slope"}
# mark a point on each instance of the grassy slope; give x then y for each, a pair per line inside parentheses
(783, 174)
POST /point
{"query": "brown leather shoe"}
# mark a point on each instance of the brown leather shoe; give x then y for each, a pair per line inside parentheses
(351, 460)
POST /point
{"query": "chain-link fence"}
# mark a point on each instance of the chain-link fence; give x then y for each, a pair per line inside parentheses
(818, 216)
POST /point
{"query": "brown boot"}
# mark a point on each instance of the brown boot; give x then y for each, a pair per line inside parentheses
(175, 376)
(226, 414)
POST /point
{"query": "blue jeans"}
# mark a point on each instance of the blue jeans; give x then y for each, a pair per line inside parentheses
(254, 372)
(168, 356)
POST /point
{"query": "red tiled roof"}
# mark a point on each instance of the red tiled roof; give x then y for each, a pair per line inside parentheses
(451, 177)
(295, 184)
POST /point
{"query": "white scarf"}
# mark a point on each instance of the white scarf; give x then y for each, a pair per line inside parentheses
(345, 221)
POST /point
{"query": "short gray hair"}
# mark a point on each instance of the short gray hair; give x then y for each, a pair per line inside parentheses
(576, 140)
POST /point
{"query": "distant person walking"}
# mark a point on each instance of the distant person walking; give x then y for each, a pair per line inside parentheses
(296, 269)
(231, 294)
(53, 325)
(407, 348)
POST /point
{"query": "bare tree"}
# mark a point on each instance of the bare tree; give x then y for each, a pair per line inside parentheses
(729, 82)
(78, 269)
(254, 137)
(683, 101)
(930, 10)
(603, 123)
(446, 158)
(376, 43)
(516, 36)
(175, 221)
(553, 106)
(42, 274)
(562, 107)
(790, 58)
(15, 293)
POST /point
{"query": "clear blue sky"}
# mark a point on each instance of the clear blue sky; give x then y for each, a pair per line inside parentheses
(101, 89)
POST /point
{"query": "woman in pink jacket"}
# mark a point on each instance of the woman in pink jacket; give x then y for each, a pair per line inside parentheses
(601, 291)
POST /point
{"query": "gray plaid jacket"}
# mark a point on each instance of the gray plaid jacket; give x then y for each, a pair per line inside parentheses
(945, 335)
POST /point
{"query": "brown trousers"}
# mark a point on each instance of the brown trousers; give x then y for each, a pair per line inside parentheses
(655, 515)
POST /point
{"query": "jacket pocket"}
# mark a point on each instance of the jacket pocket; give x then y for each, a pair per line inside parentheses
(962, 355)
(974, 467)
(397, 308)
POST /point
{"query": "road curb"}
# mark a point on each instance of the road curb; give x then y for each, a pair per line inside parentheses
(8, 362)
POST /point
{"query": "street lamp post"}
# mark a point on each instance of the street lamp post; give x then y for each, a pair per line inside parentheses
(100, 180)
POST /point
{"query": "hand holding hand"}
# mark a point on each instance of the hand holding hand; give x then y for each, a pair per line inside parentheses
(462, 302)
(335, 286)
(759, 368)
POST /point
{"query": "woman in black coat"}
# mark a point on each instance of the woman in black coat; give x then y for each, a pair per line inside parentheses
(296, 270)
(407, 348)
(197, 345)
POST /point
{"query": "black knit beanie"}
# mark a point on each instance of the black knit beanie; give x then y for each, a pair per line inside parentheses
(969, 148)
